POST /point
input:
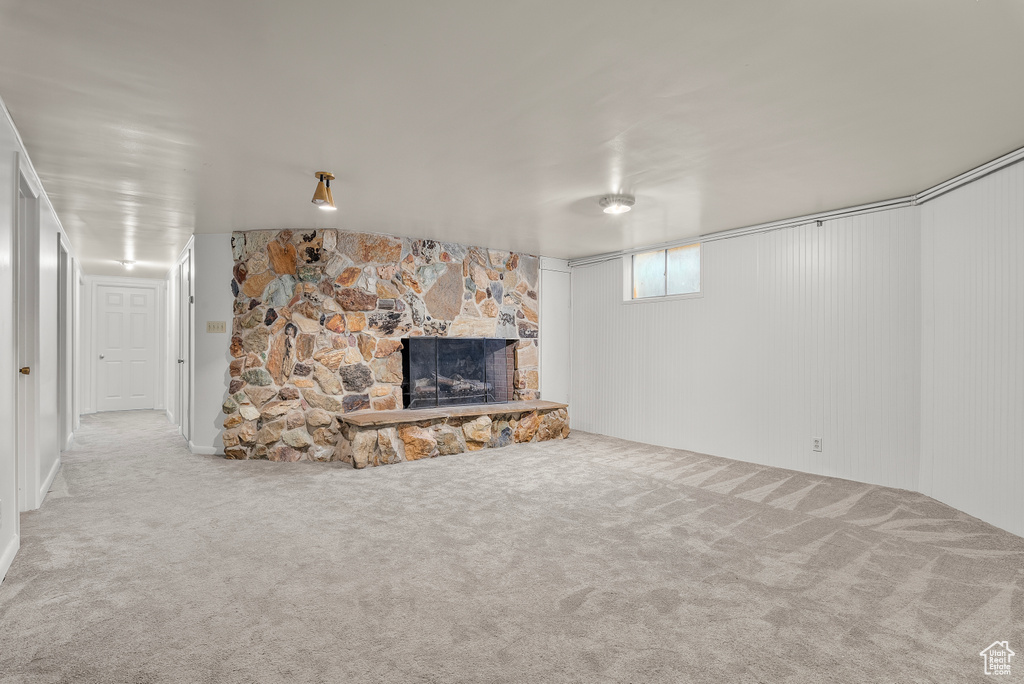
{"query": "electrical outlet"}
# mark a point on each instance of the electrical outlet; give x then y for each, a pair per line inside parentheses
(817, 443)
(216, 326)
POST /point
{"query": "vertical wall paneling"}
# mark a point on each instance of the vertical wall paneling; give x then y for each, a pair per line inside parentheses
(800, 333)
(972, 362)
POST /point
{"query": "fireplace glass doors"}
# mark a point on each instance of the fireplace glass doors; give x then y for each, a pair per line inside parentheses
(448, 371)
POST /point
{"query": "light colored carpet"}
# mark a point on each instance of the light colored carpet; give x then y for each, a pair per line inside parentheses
(588, 560)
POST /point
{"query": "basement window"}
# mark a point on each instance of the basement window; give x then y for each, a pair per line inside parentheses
(673, 272)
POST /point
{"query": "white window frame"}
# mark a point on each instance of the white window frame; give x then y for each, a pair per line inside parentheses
(627, 278)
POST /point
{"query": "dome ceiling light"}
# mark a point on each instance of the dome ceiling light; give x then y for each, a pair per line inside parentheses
(323, 197)
(617, 204)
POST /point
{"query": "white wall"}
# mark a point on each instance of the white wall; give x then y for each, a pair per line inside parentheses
(213, 266)
(41, 283)
(555, 329)
(800, 333)
(973, 348)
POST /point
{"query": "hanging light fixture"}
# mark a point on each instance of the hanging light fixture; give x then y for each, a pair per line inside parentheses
(323, 197)
(617, 204)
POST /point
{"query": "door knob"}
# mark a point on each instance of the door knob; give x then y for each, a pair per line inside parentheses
(102, 356)
(181, 360)
(25, 371)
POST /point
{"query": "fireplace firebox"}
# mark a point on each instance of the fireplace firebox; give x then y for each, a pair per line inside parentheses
(449, 371)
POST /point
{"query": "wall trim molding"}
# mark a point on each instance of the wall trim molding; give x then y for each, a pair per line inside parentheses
(202, 450)
(919, 198)
(7, 557)
(48, 482)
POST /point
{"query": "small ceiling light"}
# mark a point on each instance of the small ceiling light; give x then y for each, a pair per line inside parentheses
(617, 204)
(128, 265)
(323, 197)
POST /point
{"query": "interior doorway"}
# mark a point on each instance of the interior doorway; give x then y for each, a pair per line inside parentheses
(126, 343)
(26, 342)
(185, 299)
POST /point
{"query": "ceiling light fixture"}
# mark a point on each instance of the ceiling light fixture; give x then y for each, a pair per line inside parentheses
(323, 197)
(617, 204)
(128, 265)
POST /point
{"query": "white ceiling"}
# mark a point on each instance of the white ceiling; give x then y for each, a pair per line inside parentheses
(496, 123)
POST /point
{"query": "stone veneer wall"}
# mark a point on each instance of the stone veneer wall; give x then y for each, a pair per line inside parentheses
(319, 317)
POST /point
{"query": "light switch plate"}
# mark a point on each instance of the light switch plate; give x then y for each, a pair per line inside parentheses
(216, 326)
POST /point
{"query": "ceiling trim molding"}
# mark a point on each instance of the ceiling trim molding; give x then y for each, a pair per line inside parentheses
(926, 195)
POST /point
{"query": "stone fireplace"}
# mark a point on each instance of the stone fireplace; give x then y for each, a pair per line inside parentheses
(440, 371)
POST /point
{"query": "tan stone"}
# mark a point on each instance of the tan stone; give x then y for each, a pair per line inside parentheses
(480, 296)
(304, 346)
(419, 442)
(325, 436)
(390, 445)
(258, 263)
(249, 412)
(367, 345)
(527, 356)
(358, 447)
(380, 390)
(527, 427)
(335, 323)
(449, 440)
(297, 438)
(351, 299)
(306, 325)
(475, 446)
(235, 367)
(553, 425)
(247, 432)
(355, 322)
(479, 275)
(385, 404)
(256, 341)
(349, 276)
(387, 290)
(331, 358)
(530, 314)
(489, 308)
(464, 326)
(353, 355)
(275, 360)
(318, 417)
(478, 430)
(317, 400)
(260, 451)
(388, 369)
(230, 438)
(270, 432)
(255, 284)
(285, 453)
(278, 408)
(445, 296)
(237, 453)
(387, 347)
(295, 419)
(328, 381)
(282, 258)
(532, 380)
(303, 383)
(233, 421)
(497, 258)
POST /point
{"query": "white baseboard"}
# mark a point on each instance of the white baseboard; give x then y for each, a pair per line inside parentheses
(202, 450)
(7, 556)
(170, 418)
(69, 442)
(48, 481)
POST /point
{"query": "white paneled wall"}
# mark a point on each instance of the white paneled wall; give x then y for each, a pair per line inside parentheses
(972, 348)
(800, 333)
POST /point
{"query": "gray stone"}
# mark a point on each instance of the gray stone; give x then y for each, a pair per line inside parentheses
(297, 438)
(280, 290)
(355, 402)
(357, 377)
(257, 376)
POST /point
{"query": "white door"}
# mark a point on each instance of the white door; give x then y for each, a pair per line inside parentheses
(185, 345)
(126, 342)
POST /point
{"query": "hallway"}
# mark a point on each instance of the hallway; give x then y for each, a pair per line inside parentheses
(589, 559)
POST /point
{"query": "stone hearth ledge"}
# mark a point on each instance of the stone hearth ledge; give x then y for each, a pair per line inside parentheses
(372, 438)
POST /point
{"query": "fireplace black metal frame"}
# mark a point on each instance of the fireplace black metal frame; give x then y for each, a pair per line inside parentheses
(496, 390)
